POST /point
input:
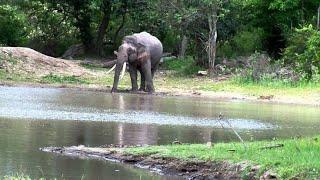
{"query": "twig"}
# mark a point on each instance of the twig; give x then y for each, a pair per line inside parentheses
(272, 146)
(235, 132)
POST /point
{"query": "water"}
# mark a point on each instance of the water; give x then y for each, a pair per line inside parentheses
(31, 118)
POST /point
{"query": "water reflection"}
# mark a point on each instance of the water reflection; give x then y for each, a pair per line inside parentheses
(31, 118)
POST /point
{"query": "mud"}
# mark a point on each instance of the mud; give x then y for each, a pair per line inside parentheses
(188, 169)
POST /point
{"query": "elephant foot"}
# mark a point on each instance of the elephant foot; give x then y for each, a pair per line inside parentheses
(114, 90)
(142, 89)
(134, 90)
(150, 91)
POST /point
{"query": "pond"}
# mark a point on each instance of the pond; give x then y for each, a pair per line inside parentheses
(31, 118)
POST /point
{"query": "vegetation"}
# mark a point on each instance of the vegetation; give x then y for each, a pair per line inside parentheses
(18, 176)
(62, 79)
(297, 158)
(210, 31)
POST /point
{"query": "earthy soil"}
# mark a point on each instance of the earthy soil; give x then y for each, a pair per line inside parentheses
(189, 169)
(22, 60)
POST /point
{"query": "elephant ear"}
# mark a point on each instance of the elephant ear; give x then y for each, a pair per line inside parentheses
(142, 53)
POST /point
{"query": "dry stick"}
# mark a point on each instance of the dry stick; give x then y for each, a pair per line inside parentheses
(235, 132)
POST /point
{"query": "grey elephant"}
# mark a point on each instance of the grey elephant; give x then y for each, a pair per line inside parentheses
(142, 52)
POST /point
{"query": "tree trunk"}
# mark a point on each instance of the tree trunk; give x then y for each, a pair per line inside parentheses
(83, 24)
(103, 27)
(118, 31)
(183, 47)
(200, 51)
(212, 41)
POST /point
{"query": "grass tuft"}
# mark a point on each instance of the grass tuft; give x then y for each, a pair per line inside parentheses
(51, 78)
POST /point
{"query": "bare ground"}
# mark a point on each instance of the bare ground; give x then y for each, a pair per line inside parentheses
(25, 61)
(188, 169)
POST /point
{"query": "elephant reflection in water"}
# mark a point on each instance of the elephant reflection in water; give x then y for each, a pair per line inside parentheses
(133, 102)
(137, 134)
(134, 133)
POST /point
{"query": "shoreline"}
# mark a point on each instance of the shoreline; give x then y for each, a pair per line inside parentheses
(219, 95)
(277, 159)
(187, 169)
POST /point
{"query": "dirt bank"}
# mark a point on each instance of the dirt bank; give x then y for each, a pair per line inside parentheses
(189, 169)
(22, 60)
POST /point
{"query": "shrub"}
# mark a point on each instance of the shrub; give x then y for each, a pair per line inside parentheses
(243, 43)
(248, 41)
(303, 52)
(186, 66)
(13, 31)
(261, 70)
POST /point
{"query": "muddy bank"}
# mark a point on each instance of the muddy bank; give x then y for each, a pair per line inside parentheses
(188, 169)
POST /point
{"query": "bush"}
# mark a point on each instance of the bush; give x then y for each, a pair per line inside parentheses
(13, 26)
(260, 70)
(303, 52)
(52, 32)
(186, 66)
(243, 43)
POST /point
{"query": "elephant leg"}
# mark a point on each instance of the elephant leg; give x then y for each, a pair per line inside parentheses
(154, 69)
(146, 68)
(133, 76)
(143, 82)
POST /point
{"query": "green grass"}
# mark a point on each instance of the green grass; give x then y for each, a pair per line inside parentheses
(51, 78)
(298, 157)
(92, 66)
(18, 176)
(182, 67)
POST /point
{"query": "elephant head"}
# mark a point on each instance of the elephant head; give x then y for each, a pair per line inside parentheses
(131, 52)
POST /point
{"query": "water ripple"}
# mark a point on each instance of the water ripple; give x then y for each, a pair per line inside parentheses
(136, 117)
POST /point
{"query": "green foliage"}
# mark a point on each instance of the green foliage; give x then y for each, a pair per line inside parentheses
(184, 66)
(303, 52)
(52, 32)
(244, 43)
(14, 30)
(247, 42)
(297, 158)
(51, 78)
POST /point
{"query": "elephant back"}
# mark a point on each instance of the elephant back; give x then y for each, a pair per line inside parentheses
(143, 38)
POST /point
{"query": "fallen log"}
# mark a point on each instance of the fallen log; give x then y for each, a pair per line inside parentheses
(272, 146)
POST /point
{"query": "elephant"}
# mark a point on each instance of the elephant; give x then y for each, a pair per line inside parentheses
(142, 52)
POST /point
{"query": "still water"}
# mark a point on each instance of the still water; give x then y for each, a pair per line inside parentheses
(31, 118)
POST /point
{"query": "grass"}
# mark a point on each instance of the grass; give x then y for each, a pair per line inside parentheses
(51, 78)
(298, 157)
(182, 67)
(18, 176)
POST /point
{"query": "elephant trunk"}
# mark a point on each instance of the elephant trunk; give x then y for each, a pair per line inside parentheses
(120, 68)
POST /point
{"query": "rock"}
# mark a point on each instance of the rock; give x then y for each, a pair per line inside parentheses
(268, 175)
(266, 97)
(202, 73)
(209, 144)
(74, 50)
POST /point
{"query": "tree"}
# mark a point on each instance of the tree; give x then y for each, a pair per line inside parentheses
(200, 18)
(14, 30)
